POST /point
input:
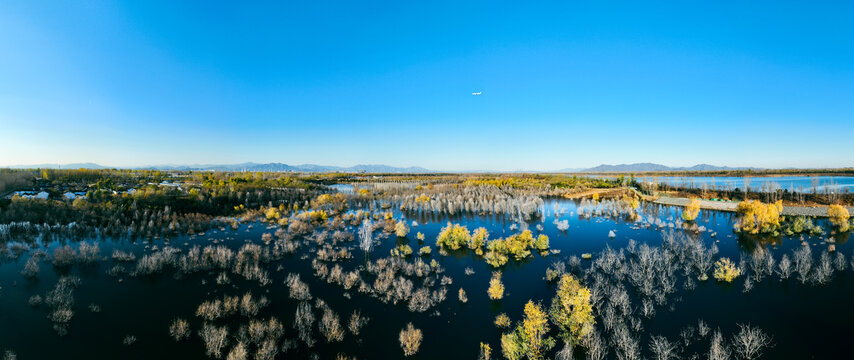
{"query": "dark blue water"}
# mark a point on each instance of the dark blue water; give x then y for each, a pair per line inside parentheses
(806, 321)
(803, 184)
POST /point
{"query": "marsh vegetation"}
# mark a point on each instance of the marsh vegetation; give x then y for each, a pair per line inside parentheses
(277, 266)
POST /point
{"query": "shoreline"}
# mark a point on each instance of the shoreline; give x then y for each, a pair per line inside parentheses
(814, 211)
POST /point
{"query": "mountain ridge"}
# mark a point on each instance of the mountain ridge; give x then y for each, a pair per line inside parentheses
(653, 167)
(375, 168)
(247, 166)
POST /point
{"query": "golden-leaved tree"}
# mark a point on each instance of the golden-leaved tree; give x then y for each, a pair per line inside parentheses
(758, 217)
(571, 309)
(691, 210)
(530, 338)
(839, 217)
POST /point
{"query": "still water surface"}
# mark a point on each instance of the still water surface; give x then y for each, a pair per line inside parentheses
(806, 321)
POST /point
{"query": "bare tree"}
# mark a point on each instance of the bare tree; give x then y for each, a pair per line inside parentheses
(750, 341)
(662, 349)
(718, 350)
(785, 266)
(596, 349)
(365, 232)
(565, 353)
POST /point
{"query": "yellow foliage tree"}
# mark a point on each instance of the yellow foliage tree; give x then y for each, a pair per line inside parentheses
(453, 236)
(485, 351)
(725, 270)
(530, 337)
(571, 309)
(410, 339)
(758, 217)
(478, 239)
(400, 229)
(323, 200)
(691, 210)
(541, 243)
(631, 201)
(272, 214)
(502, 320)
(496, 288)
(839, 217)
(535, 327)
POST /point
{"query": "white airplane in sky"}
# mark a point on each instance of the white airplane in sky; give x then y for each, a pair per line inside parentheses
(477, 93)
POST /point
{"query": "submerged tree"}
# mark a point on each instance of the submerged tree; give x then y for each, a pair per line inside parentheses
(365, 238)
(758, 217)
(691, 210)
(725, 270)
(750, 341)
(529, 339)
(571, 310)
(496, 288)
(663, 349)
(839, 217)
(410, 339)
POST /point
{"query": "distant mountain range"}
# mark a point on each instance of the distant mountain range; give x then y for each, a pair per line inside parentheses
(249, 166)
(650, 167)
(311, 168)
(60, 166)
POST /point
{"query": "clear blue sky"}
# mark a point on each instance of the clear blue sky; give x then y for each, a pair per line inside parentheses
(767, 84)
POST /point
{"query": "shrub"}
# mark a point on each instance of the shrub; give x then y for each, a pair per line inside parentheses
(495, 258)
(402, 250)
(64, 256)
(31, 268)
(502, 321)
(462, 296)
(298, 289)
(89, 252)
(485, 352)
(238, 352)
(541, 243)
(478, 239)
(400, 229)
(424, 251)
(691, 210)
(725, 270)
(179, 329)
(518, 244)
(129, 340)
(839, 217)
(269, 349)
(357, 321)
(571, 309)
(330, 326)
(410, 340)
(258, 331)
(453, 236)
(215, 338)
(757, 217)
(496, 288)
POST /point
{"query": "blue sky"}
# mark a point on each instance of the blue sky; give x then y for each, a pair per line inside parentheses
(565, 85)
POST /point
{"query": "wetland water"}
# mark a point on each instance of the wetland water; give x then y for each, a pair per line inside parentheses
(805, 320)
(804, 184)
